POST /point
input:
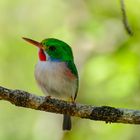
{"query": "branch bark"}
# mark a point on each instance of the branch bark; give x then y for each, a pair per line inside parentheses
(124, 18)
(104, 113)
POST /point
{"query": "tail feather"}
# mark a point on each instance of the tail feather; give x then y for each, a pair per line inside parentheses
(66, 122)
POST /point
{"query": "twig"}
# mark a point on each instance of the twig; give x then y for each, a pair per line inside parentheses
(103, 113)
(124, 18)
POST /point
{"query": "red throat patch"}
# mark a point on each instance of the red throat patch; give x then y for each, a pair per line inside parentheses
(42, 56)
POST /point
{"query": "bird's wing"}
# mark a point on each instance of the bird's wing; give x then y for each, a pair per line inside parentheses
(74, 71)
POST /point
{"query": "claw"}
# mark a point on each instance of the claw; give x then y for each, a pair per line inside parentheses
(73, 101)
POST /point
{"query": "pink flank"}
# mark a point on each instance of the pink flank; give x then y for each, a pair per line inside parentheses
(70, 74)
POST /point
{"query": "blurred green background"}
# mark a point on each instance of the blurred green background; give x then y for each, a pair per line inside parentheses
(108, 61)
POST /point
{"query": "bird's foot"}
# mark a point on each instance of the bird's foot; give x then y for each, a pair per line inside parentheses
(73, 102)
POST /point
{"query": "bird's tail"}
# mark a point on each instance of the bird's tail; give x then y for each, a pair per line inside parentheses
(66, 122)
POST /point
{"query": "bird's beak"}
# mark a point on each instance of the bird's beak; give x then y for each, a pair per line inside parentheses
(35, 43)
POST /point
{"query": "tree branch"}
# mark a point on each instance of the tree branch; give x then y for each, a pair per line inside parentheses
(103, 113)
(124, 18)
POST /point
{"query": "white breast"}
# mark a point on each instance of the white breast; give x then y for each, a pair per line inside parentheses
(53, 81)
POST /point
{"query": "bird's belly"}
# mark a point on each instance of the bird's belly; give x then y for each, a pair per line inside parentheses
(52, 79)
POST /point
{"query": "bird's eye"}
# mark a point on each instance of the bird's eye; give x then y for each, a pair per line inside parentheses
(52, 48)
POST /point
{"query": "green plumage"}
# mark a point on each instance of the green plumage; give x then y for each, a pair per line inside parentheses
(62, 50)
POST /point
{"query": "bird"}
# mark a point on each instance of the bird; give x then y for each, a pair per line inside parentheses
(56, 73)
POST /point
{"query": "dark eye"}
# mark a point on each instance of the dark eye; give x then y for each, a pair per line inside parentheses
(52, 48)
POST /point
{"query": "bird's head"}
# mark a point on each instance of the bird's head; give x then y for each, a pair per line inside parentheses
(52, 49)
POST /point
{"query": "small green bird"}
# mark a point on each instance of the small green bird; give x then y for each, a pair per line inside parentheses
(55, 72)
